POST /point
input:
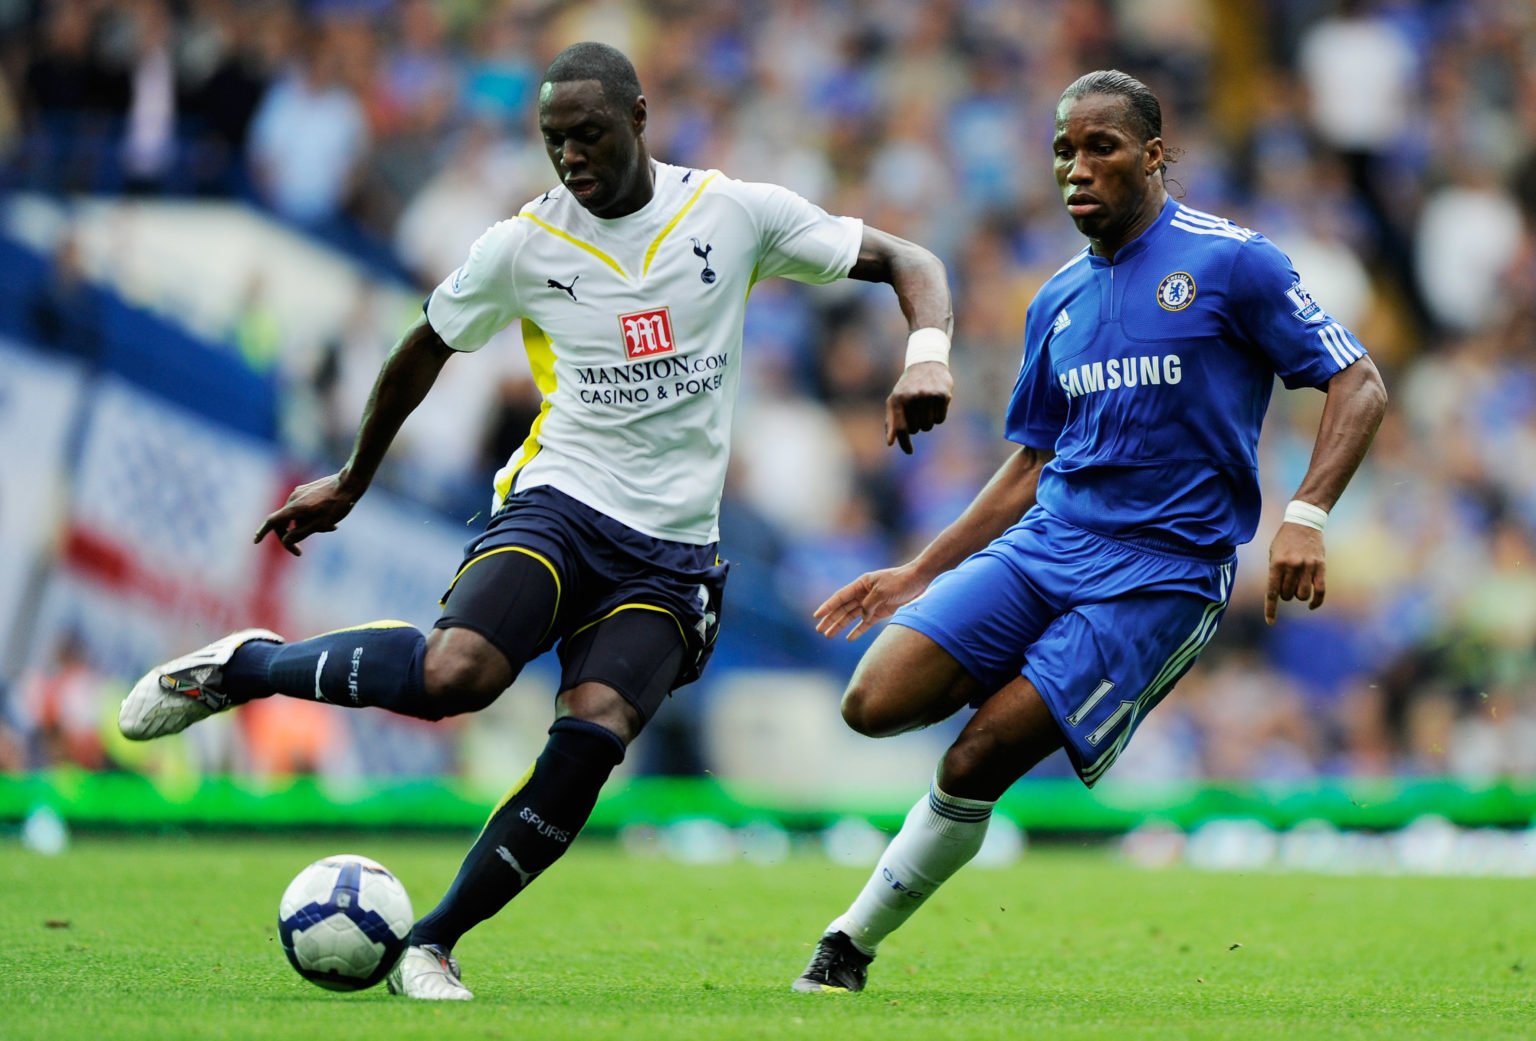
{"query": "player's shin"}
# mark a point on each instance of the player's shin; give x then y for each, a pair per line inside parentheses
(377, 664)
(940, 835)
(534, 825)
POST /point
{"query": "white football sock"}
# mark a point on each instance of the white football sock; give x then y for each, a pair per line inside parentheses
(940, 835)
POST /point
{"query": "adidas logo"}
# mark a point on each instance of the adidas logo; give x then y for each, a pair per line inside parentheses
(1062, 321)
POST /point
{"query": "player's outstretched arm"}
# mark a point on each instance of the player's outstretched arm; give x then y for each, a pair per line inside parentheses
(1357, 400)
(920, 400)
(408, 373)
(877, 594)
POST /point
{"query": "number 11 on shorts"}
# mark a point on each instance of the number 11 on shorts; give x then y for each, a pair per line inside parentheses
(1099, 694)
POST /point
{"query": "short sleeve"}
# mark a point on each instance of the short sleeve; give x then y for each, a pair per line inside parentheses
(1038, 409)
(1276, 313)
(800, 240)
(479, 299)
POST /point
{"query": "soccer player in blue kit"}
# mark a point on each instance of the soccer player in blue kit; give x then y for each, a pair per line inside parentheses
(630, 278)
(1149, 359)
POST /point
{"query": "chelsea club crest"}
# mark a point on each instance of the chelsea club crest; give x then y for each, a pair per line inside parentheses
(1176, 292)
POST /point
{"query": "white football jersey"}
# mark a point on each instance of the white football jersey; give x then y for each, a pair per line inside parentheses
(633, 328)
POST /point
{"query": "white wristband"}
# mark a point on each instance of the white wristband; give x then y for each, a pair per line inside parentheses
(1305, 514)
(928, 344)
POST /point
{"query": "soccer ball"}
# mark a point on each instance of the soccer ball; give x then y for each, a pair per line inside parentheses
(344, 922)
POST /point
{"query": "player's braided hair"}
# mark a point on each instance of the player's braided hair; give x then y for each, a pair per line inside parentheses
(598, 61)
(1145, 112)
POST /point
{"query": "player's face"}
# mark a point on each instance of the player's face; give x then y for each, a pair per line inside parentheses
(598, 152)
(1108, 176)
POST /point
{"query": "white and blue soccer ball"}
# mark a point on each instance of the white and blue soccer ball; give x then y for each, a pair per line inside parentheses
(344, 922)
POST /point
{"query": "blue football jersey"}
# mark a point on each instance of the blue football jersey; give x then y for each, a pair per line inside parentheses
(1150, 376)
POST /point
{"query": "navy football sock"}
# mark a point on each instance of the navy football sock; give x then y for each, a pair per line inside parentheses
(529, 831)
(376, 664)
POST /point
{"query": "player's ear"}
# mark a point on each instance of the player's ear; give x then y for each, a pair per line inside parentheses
(637, 115)
(1153, 151)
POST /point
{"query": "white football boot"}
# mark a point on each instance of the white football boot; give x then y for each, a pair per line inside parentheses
(429, 974)
(175, 695)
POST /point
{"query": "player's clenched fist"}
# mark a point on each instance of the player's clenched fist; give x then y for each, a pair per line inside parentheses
(920, 401)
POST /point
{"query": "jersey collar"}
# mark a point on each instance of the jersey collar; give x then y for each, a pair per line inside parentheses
(1141, 243)
(645, 213)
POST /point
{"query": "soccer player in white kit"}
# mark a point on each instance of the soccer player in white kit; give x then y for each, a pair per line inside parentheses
(630, 279)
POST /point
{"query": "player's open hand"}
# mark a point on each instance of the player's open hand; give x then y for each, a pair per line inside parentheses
(868, 599)
(316, 506)
(1297, 569)
(919, 402)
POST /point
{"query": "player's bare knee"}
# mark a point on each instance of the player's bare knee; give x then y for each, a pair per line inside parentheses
(458, 683)
(864, 712)
(602, 706)
(854, 708)
(970, 767)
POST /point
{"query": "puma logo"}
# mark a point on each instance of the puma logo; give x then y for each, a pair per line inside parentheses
(523, 876)
(570, 290)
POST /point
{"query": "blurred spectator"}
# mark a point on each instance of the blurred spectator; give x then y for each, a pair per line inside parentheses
(767, 627)
(228, 57)
(792, 442)
(816, 564)
(411, 100)
(1252, 722)
(512, 418)
(283, 737)
(1362, 76)
(327, 406)
(64, 707)
(149, 146)
(66, 311)
(10, 109)
(417, 80)
(980, 133)
(309, 139)
(256, 332)
(484, 179)
(502, 73)
(70, 102)
(1498, 617)
(1467, 237)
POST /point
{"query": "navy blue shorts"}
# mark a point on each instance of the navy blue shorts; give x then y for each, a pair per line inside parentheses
(600, 569)
(1102, 628)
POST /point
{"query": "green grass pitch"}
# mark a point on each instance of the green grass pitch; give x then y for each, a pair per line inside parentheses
(174, 937)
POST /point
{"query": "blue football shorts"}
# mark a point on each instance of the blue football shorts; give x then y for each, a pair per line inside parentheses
(1103, 628)
(602, 570)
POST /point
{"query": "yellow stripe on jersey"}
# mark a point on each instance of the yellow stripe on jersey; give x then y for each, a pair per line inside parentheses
(573, 240)
(541, 360)
(637, 607)
(650, 253)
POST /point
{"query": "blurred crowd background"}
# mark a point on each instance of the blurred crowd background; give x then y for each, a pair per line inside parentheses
(1388, 147)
